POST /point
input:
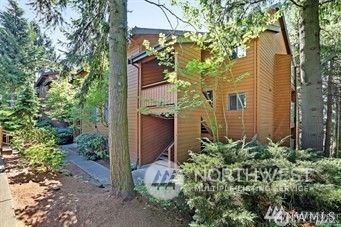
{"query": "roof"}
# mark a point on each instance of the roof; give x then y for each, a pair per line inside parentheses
(155, 31)
(43, 75)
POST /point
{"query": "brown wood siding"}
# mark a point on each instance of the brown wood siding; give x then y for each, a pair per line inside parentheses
(187, 122)
(152, 72)
(159, 95)
(133, 88)
(156, 135)
(135, 46)
(282, 97)
(270, 44)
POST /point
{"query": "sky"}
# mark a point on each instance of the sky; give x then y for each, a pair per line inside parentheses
(141, 14)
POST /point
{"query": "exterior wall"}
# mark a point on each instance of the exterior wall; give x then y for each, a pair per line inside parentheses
(270, 43)
(156, 135)
(231, 120)
(134, 88)
(152, 72)
(282, 98)
(94, 128)
(187, 123)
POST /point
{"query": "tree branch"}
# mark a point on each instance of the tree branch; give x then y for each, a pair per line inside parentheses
(296, 4)
(164, 9)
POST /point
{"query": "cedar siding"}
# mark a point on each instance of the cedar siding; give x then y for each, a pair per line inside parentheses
(267, 86)
(270, 44)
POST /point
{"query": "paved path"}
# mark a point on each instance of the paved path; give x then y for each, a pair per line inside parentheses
(95, 170)
(7, 217)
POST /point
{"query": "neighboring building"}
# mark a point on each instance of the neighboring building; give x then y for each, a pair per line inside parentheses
(268, 93)
(97, 126)
(43, 82)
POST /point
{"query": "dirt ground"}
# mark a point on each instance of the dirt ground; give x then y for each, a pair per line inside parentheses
(72, 198)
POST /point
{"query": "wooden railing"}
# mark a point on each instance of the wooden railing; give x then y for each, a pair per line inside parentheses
(171, 155)
(159, 94)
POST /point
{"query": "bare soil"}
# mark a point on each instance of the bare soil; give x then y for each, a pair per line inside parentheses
(72, 198)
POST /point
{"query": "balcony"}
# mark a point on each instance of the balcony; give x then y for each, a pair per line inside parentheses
(158, 94)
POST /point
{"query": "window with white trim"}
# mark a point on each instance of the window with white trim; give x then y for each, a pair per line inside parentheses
(237, 101)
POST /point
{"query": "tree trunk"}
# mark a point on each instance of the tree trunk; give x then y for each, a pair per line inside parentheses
(310, 69)
(329, 125)
(121, 177)
(336, 128)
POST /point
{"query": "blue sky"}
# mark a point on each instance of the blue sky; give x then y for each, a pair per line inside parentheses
(142, 14)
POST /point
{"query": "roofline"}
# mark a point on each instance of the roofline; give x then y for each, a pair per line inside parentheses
(44, 74)
(155, 31)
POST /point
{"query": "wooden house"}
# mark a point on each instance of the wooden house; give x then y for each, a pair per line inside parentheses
(265, 105)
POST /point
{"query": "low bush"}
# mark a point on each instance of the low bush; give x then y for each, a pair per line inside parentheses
(25, 138)
(93, 146)
(63, 136)
(44, 158)
(36, 145)
(225, 197)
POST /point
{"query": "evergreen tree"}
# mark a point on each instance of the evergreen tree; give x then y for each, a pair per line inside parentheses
(27, 105)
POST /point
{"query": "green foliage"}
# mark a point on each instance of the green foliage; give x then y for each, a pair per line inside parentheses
(44, 158)
(234, 206)
(63, 135)
(61, 102)
(26, 106)
(93, 146)
(36, 145)
(7, 120)
(25, 138)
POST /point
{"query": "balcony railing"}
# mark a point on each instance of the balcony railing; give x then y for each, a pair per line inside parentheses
(158, 94)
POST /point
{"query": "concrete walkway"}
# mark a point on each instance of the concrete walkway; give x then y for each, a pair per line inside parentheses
(95, 170)
(7, 216)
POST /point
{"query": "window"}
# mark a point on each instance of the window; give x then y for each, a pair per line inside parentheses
(239, 52)
(209, 96)
(237, 101)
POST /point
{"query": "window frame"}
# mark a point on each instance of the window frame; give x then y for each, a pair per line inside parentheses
(238, 106)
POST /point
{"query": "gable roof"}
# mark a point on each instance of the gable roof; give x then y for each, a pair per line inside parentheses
(44, 75)
(155, 31)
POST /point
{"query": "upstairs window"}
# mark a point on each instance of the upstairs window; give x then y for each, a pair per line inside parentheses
(237, 101)
(209, 96)
(238, 52)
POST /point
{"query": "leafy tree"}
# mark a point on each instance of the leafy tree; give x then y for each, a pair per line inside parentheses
(60, 101)
(94, 26)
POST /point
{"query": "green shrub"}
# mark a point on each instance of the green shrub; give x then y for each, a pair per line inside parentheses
(25, 138)
(44, 158)
(93, 146)
(63, 136)
(44, 124)
(229, 206)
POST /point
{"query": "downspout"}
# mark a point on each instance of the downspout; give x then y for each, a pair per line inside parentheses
(138, 153)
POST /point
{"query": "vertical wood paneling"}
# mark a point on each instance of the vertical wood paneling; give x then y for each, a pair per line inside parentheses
(156, 135)
(282, 97)
(270, 44)
(187, 122)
